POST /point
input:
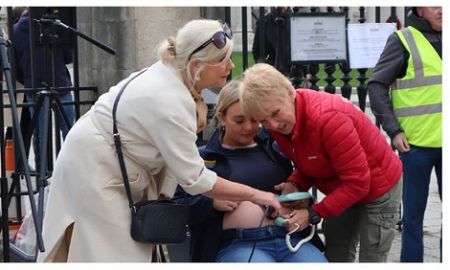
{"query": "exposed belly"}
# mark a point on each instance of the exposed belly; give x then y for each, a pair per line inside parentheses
(246, 215)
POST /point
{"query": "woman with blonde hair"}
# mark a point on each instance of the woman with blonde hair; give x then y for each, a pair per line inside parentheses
(160, 111)
(233, 231)
(338, 149)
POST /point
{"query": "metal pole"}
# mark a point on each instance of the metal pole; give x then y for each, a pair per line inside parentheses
(262, 34)
(228, 21)
(244, 39)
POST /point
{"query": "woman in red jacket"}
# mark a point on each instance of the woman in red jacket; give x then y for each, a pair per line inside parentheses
(336, 148)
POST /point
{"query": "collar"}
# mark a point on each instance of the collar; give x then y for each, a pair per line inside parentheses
(420, 23)
(214, 144)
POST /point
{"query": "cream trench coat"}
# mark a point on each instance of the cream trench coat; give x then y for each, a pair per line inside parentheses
(156, 117)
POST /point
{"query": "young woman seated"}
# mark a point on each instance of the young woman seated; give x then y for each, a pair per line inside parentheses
(231, 231)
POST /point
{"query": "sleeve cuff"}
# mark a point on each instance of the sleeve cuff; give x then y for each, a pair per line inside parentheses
(205, 182)
(168, 187)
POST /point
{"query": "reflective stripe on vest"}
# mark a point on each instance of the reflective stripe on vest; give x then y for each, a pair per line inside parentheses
(417, 97)
(419, 110)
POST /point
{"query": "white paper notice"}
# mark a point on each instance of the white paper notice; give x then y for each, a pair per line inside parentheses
(366, 42)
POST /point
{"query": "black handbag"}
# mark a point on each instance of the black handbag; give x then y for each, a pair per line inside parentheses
(153, 221)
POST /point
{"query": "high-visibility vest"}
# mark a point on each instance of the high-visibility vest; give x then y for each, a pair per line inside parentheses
(417, 97)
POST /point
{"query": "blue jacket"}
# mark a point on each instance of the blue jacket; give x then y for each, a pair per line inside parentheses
(62, 56)
(205, 222)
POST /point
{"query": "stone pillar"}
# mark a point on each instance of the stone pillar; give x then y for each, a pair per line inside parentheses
(154, 24)
(236, 19)
(134, 32)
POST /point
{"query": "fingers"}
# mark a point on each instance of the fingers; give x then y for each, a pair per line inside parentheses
(406, 146)
(296, 204)
(279, 186)
(286, 188)
(273, 201)
(401, 143)
(291, 217)
(227, 206)
(275, 214)
(276, 204)
(288, 204)
(233, 205)
(264, 198)
(296, 218)
(294, 228)
(402, 147)
(228, 209)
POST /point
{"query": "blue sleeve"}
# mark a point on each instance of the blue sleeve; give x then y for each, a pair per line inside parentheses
(200, 207)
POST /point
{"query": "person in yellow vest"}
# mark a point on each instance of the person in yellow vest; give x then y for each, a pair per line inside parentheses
(405, 93)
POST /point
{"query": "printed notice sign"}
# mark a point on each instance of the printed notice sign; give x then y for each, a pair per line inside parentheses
(366, 42)
(318, 38)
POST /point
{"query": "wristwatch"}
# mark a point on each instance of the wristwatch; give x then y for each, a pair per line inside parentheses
(314, 218)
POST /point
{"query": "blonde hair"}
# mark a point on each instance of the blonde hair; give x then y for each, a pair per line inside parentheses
(262, 82)
(229, 94)
(175, 51)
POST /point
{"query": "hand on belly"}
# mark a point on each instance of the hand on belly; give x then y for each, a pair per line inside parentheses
(247, 215)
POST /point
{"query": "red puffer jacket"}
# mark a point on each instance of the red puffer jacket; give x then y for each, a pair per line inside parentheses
(337, 148)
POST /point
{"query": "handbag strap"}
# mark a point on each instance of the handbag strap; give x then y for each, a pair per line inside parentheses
(118, 144)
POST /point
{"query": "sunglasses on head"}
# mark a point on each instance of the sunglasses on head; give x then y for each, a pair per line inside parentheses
(219, 39)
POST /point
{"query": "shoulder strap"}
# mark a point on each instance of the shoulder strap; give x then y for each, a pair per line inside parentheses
(118, 144)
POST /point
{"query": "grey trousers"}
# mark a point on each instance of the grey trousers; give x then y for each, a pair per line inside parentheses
(371, 225)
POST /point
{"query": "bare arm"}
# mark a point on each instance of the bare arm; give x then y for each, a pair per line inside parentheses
(227, 190)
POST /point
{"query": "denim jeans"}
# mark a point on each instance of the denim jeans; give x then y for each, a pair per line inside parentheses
(270, 246)
(64, 129)
(417, 167)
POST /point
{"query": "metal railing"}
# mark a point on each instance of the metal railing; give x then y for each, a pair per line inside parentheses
(308, 75)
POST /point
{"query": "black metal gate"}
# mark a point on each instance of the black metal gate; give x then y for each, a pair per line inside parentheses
(308, 75)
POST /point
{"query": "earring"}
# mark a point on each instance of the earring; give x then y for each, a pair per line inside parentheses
(221, 132)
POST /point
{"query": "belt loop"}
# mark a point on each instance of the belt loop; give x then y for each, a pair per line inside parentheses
(270, 230)
(240, 233)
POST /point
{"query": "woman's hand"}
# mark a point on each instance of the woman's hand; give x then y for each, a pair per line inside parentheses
(225, 206)
(286, 188)
(264, 199)
(298, 217)
(227, 190)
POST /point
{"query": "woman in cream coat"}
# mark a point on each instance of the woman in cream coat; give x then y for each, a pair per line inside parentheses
(87, 217)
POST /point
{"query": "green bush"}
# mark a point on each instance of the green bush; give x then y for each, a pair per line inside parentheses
(237, 60)
(237, 71)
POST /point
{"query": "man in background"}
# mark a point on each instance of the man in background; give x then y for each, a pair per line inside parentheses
(43, 74)
(276, 35)
(405, 93)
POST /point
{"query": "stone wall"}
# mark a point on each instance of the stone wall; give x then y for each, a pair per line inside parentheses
(134, 32)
